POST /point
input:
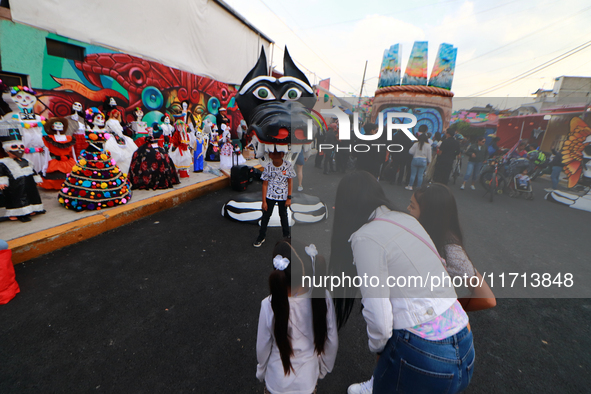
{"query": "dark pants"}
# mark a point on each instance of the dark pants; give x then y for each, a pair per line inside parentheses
(328, 163)
(342, 158)
(442, 171)
(398, 166)
(267, 215)
(318, 160)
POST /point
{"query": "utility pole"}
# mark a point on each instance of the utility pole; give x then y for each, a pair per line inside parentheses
(362, 82)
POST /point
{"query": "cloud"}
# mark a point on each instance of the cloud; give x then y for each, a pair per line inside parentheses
(509, 31)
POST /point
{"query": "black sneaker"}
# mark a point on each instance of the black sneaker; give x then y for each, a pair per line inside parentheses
(258, 243)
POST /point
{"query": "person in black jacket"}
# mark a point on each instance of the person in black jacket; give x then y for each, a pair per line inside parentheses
(477, 154)
(330, 139)
(448, 151)
(556, 165)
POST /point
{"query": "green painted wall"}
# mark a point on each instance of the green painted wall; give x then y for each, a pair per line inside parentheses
(22, 49)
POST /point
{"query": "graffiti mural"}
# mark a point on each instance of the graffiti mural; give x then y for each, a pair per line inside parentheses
(416, 69)
(430, 104)
(390, 70)
(442, 74)
(133, 82)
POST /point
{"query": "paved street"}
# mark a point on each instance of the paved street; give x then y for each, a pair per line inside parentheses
(170, 303)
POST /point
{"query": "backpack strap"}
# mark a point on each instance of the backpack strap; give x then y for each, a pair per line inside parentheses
(416, 235)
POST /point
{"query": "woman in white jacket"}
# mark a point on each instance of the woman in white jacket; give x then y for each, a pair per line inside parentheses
(415, 324)
(421, 157)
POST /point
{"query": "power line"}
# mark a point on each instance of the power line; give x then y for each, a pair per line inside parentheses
(526, 36)
(307, 46)
(385, 14)
(312, 72)
(535, 69)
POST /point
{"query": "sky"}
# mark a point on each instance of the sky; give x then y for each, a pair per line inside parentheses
(509, 46)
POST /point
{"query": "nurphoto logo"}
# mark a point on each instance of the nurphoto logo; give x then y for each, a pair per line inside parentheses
(345, 131)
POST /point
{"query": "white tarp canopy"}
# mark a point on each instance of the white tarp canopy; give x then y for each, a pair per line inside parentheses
(203, 37)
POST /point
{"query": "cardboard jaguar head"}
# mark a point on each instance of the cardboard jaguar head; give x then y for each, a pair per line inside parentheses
(277, 110)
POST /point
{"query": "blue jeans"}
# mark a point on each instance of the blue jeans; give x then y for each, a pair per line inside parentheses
(473, 169)
(555, 176)
(410, 364)
(417, 165)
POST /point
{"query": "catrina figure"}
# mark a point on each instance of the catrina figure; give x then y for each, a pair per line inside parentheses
(152, 168)
(119, 145)
(167, 129)
(31, 127)
(77, 127)
(187, 117)
(139, 127)
(96, 182)
(213, 147)
(179, 149)
(18, 180)
(61, 152)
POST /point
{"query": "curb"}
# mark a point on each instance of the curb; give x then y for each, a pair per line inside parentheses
(37, 244)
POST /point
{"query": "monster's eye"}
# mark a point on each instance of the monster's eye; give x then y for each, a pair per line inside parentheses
(263, 93)
(292, 94)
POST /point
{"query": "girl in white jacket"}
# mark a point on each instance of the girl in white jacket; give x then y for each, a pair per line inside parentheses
(297, 336)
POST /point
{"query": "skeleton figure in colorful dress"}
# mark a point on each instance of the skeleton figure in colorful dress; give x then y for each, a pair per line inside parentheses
(19, 197)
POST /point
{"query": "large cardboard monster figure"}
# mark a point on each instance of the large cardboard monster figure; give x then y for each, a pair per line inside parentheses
(278, 114)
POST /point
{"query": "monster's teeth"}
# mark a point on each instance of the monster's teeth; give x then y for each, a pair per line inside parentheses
(296, 148)
(307, 147)
(269, 147)
(282, 148)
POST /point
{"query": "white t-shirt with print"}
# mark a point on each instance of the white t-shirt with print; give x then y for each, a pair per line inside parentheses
(277, 179)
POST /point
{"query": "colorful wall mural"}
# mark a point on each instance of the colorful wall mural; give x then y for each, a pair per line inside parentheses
(390, 70)
(416, 69)
(134, 82)
(473, 117)
(443, 70)
(430, 104)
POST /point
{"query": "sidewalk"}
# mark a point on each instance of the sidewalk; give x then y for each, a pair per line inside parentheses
(60, 227)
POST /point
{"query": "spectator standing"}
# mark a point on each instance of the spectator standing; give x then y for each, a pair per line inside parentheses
(448, 151)
(277, 183)
(477, 154)
(421, 153)
(556, 165)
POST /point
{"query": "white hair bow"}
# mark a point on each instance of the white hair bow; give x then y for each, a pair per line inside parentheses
(280, 263)
(312, 252)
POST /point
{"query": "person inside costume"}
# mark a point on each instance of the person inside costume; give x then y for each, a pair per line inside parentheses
(120, 146)
(31, 127)
(96, 182)
(213, 147)
(61, 152)
(19, 197)
(152, 168)
(179, 150)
